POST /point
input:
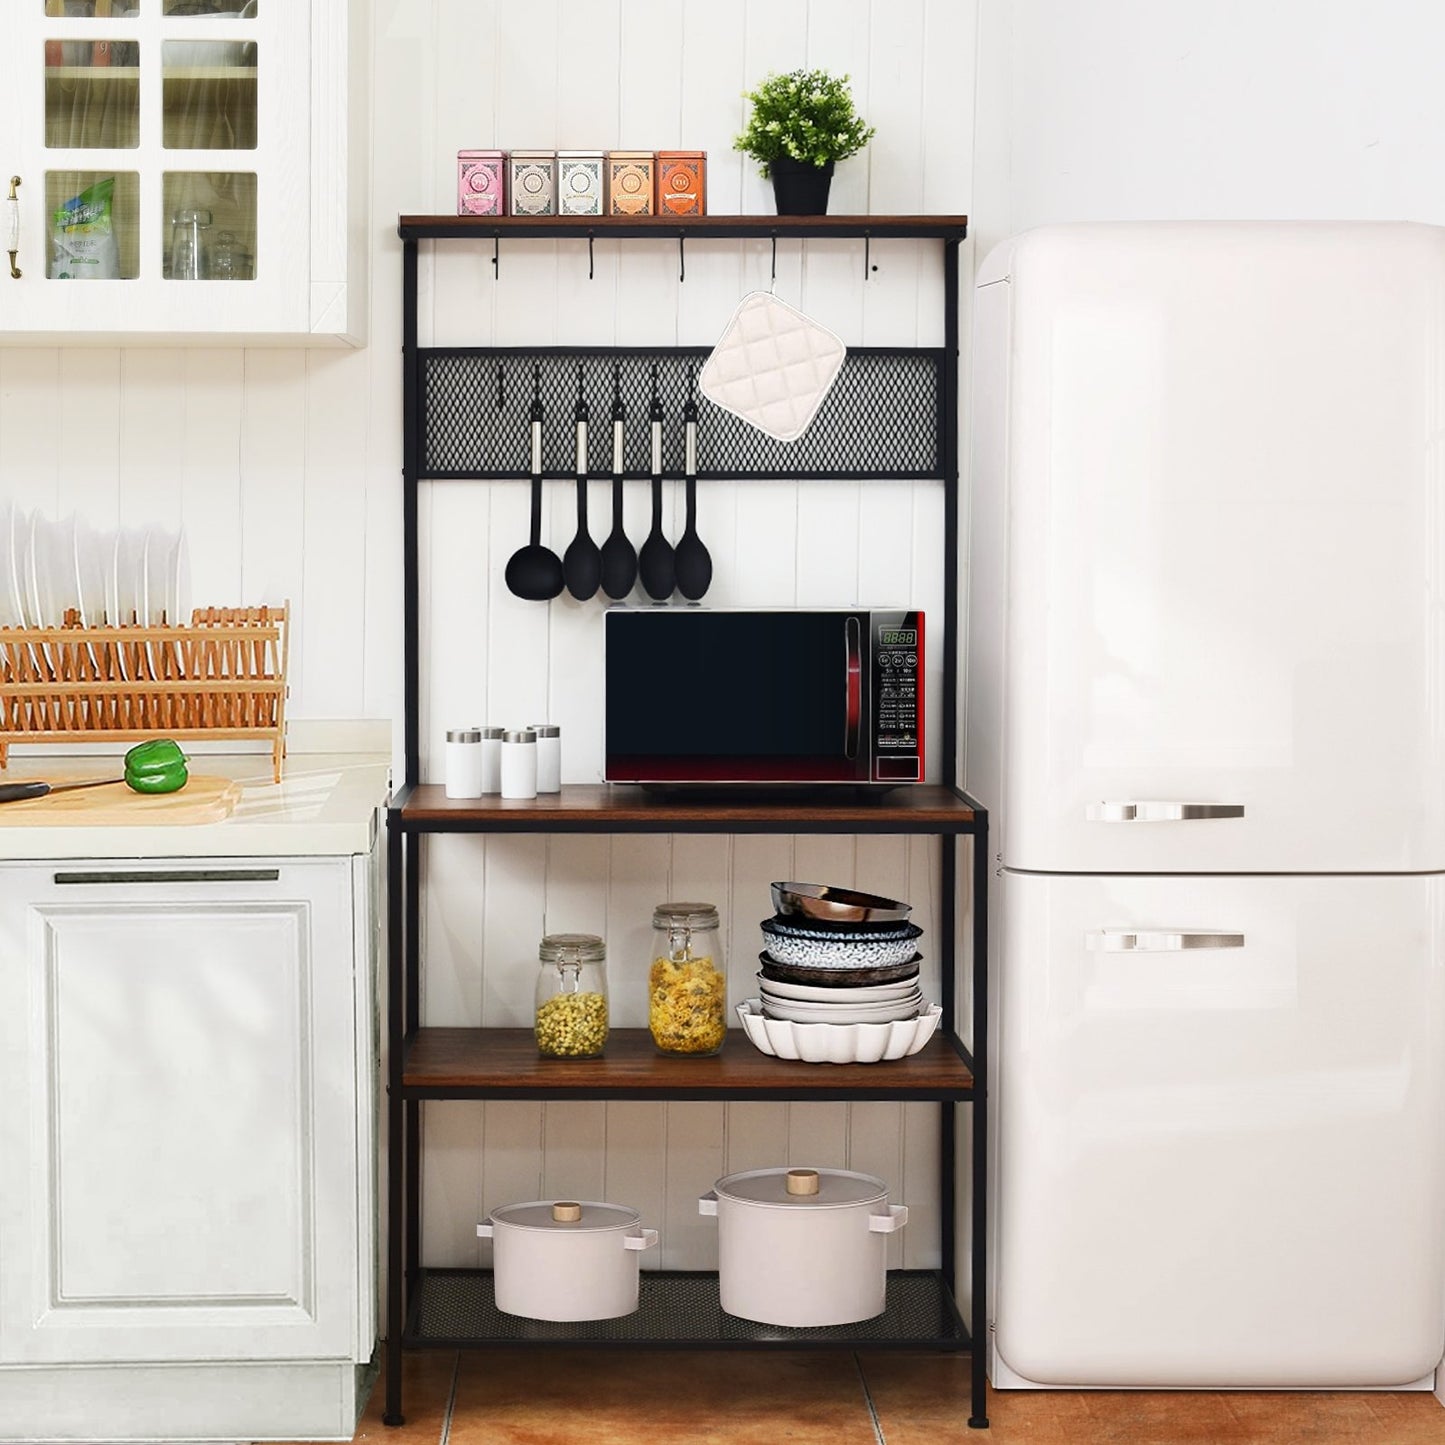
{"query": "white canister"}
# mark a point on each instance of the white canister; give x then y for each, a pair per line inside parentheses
(549, 756)
(491, 759)
(559, 1259)
(802, 1247)
(519, 763)
(464, 763)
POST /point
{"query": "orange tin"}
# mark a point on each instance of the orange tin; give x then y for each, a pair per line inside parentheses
(631, 179)
(682, 183)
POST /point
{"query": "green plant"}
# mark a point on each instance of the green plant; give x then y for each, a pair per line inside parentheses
(807, 115)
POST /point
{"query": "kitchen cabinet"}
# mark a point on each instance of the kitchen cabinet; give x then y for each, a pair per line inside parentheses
(447, 437)
(187, 1112)
(208, 154)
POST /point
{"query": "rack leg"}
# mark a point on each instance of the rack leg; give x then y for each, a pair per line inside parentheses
(395, 1127)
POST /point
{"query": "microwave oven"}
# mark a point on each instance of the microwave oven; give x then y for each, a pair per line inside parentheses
(705, 696)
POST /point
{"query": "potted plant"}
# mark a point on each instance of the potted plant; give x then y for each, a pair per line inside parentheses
(801, 125)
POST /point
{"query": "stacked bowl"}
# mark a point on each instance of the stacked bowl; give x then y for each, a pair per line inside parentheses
(834, 955)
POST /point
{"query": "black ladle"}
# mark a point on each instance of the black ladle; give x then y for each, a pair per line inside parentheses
(534, 572)
(581, 562)
(692, 559)
(619, 557)
(654, 562)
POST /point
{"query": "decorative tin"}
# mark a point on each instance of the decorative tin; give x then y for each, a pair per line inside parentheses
(481, 183)
(533, 183)
(682, 183)
(579, 183)
(630, 180)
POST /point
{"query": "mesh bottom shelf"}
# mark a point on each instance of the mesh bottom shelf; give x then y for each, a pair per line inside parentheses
(456, 1308)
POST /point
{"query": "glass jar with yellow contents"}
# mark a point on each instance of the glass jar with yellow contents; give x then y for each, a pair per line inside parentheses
(571, 1021)
(687, 986)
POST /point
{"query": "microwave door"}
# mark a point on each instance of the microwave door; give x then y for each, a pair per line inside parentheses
(736, 697)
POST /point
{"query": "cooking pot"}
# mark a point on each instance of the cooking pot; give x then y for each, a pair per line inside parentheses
(557, 1259)
(802, 1246)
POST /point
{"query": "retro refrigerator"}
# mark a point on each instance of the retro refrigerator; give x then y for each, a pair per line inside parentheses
(1206, 709)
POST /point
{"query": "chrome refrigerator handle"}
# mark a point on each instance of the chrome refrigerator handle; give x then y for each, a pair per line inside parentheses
(1160, 812)
(1120, 940)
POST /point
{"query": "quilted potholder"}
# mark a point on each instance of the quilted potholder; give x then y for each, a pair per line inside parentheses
(772, 366)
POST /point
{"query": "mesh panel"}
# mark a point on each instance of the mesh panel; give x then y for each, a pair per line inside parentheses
(882, 418)
(457, 1307)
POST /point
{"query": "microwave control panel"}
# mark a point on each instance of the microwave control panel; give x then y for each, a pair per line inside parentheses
(897, 670)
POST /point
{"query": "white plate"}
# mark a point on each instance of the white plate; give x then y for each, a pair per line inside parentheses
(904, 1008)
(816, 993)
(178, 584)
(122, 605)
(837, 1043)
(12, 613)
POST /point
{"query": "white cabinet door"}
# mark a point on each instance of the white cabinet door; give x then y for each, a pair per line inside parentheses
(208, 137)
(1220, 1104)
(178, 1112)
(1225, 549)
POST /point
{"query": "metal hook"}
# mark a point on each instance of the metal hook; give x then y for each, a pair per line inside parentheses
(496, 256)
(590, 268)
(681, 257)
(773, 281)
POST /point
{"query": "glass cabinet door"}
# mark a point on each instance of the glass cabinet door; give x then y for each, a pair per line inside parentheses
(163, 141)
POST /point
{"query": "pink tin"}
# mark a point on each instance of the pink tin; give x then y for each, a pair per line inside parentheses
(481, 183)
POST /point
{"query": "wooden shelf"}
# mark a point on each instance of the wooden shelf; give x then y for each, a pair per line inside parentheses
(452, 1063)
(620, 808)
(457, 1308)
(877, 228)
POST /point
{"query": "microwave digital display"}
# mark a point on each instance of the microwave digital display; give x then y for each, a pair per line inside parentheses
(898, 637)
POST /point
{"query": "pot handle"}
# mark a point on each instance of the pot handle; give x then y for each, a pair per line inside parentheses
(889, 1223)
(707, 1204)
(643, 1239)
(484, 1231)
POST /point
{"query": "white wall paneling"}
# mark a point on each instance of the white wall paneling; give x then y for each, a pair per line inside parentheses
(284, 467)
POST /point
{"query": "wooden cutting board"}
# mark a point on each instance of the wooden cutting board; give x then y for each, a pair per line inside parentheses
(202, 800)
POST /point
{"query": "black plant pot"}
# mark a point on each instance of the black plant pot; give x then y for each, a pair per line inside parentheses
(801, 188)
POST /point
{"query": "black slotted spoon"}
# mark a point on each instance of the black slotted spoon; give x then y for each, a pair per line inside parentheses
(619, 557)
(581, 562)
(655, 561)
(693, 562)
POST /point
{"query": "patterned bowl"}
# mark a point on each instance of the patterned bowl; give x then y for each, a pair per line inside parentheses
(786, 944)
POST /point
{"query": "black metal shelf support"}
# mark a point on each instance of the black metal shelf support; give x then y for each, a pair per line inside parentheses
(412, 1291)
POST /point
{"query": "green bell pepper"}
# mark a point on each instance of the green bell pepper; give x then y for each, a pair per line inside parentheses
(157, 766)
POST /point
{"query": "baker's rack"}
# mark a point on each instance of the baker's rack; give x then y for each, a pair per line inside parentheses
(221, 677)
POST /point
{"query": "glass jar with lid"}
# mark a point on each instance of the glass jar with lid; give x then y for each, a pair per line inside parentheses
(571, 1016)
(687, 985)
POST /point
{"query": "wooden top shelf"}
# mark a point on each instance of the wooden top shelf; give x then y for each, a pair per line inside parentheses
(878, 228)
(618, 808)
(492, 1063)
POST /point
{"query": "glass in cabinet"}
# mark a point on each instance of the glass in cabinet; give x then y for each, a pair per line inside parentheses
(188, 158)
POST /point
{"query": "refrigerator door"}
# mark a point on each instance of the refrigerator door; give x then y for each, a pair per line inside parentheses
(1215, 642)
(1222, 1157)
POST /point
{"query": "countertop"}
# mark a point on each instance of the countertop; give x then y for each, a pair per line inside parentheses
(327, 802)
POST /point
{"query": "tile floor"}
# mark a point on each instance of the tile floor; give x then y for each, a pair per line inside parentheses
(613, 1397)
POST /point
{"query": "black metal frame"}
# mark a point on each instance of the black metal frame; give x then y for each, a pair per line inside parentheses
(407, 1279)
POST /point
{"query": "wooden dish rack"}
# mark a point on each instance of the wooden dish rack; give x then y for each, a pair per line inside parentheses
(221, 677)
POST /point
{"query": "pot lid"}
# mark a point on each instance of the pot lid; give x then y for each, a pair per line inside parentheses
(575, 1216)
(792, 1188)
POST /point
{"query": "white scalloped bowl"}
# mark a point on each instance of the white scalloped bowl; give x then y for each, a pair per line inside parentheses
(837, 1043)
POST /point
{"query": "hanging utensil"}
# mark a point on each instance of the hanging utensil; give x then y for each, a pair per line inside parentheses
(692, 559)
(582, 561)
(655, 562)
(619, 557)
(534, 572)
